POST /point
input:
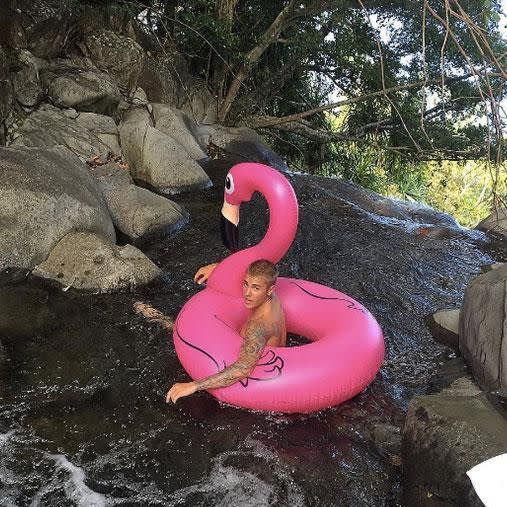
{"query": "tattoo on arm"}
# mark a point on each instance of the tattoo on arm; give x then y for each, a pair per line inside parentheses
(257, 335)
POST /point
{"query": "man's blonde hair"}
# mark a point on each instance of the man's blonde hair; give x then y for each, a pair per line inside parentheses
(264, 268)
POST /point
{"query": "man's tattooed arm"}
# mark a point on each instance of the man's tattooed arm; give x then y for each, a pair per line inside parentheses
(256, 336)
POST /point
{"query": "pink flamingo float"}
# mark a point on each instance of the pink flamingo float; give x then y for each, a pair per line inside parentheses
(346, 345)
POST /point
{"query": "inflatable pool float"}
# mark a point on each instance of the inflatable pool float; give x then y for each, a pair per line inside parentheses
(346, 345)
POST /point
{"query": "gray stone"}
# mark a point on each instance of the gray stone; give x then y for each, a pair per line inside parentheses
(496, 222)
(137, 212)
(119, 56)
(44, 194)
(48, 126)
(174, 123)
(156, 158)
(103, 127)
(82, 89)
(200, 104)
(444, 326)
(241, 142)
(483, 326)
(444, 436)
(89, 262)
(489, 267)
(27, 88)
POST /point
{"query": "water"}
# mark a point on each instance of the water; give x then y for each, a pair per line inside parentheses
(83, 377)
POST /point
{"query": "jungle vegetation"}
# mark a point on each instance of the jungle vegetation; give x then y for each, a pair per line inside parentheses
(401, 96)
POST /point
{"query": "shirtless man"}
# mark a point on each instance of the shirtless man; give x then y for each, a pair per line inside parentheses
(265, 326)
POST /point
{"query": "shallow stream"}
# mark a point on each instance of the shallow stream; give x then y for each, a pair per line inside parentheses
(82, 415)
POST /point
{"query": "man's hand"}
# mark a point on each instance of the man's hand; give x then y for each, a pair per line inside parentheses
(179, 390)
(204, 273)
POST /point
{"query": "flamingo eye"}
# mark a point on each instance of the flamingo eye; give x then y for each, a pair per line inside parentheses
(229, 184)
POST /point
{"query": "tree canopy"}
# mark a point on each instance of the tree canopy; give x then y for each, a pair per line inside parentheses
(421, 79)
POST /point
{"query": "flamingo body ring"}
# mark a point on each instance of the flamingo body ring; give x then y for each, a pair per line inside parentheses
(346, 345)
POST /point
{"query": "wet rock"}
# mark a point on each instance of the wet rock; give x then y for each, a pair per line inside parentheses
(156, 158)
(90, 262)
(44, 194)
(387, 439)
(120, 56)
(242, 143)
(444, 326)
(174, 123)
(137, 212)
(489, 267)
(496, 222)
(483, 324)
(89, 90)
(445, 435)
(48, 126)
(102, 127)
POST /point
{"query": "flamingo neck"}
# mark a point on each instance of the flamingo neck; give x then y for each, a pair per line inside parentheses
(228, 276)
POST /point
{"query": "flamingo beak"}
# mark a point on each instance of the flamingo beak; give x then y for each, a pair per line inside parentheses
(229, 226)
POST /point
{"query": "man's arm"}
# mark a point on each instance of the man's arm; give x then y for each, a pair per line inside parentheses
(256, 337)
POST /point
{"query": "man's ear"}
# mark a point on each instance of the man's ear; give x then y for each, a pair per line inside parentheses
(270, 290)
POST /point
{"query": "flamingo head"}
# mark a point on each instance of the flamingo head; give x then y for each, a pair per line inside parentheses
(236, 190)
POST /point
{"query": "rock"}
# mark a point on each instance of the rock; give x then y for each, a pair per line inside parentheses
(489, 267)
(445, 435)
(137, 212)
(12, 31)
(156, 158)
(496, 222)
(81, 89)
(90, 262)
(162, 77)
(174, 123)
(120, 56)
(49, 37)
(44, 194)
(241, 142)
(200, 104)
(482, 329)
(27, 88)
(444, 326)
(6, 96)
(102, 127)
(48, 126)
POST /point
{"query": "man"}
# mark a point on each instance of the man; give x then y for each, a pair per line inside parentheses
(265, 326)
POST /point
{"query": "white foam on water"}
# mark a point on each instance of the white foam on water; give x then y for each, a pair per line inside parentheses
(74, 486)
(226, 485)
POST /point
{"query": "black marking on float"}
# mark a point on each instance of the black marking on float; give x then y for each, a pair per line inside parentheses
(198, 349)
(350, 304)
(272, 361)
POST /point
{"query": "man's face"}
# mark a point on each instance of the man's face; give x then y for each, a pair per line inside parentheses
(256, 290)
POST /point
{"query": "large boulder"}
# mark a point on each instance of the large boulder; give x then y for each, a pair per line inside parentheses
(174, 123)
(496, 222)
(119, 56)
(157, 159)
(240, 142)
(445, 435)
(102, 127)
(444, 326)
(137, 212)
(44, 194)
(89, 262)
(80, 88)
(27, 87)
(483, 328)
(49, 126)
